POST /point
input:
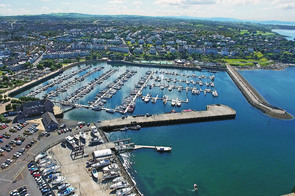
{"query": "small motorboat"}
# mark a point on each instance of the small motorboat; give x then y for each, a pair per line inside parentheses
(196, 187)
(163, 149)
(94, 173)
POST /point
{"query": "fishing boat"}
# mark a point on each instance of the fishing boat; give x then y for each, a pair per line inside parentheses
(94, 173)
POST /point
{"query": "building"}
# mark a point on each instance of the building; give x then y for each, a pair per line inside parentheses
(49, 121)
(35, 108)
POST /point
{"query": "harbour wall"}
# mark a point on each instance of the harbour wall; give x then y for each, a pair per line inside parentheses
(213, 113)
(254, 98)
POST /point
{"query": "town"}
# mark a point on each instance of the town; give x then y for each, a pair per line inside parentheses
(54, 64)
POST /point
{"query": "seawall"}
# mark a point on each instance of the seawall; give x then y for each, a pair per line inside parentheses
(254, 98)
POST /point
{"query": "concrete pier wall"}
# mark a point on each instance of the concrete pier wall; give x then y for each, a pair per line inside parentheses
(254, 98)
(213, 113)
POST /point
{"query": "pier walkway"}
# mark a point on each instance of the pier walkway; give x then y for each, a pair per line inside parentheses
(254, 98)
(213, 112)
(139, 92)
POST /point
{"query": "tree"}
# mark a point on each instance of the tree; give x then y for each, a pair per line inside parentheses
(8, 107)
(40, 66)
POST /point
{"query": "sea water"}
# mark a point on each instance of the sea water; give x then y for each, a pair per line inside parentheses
(250, 155)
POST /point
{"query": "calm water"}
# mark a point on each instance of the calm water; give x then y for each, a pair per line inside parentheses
(289, 33)
(251, 155)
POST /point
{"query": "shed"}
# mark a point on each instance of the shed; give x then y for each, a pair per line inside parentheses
(101, 153)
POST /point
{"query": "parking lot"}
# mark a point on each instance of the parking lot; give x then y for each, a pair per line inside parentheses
(15, 174)
(15, 140)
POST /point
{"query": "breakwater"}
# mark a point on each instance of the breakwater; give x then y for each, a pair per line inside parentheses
(254, 98)
(213, 113)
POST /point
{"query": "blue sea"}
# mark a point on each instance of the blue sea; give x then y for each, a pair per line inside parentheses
(290, 34)
(250, 155)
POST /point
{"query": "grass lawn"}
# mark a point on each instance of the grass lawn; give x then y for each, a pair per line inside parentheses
(265, 33)
(247, 62)
(243, 32)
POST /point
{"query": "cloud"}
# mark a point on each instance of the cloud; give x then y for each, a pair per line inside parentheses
(65, 3)
(3, 6)
(137, 3)
(45, 0)
(116, 2)
(284, 4)
(240, 2)
(184, 3)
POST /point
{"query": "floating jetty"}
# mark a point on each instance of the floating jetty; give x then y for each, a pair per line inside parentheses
(254, 98)
(213, 112)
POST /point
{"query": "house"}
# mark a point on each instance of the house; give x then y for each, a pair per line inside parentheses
(49, 121)
(35, 108)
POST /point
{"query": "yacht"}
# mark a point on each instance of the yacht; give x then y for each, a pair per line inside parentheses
(214, 93)
(173, 102)
(119, 185)
(101, 163)
(118, 179)
(111, 174)
(178, 102)
(147, 98)
(112, 167)
(124, 191)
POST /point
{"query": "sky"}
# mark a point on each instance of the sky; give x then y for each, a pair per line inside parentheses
(262, 10)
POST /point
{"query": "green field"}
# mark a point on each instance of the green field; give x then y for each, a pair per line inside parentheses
(247, 62)
(242, 32)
